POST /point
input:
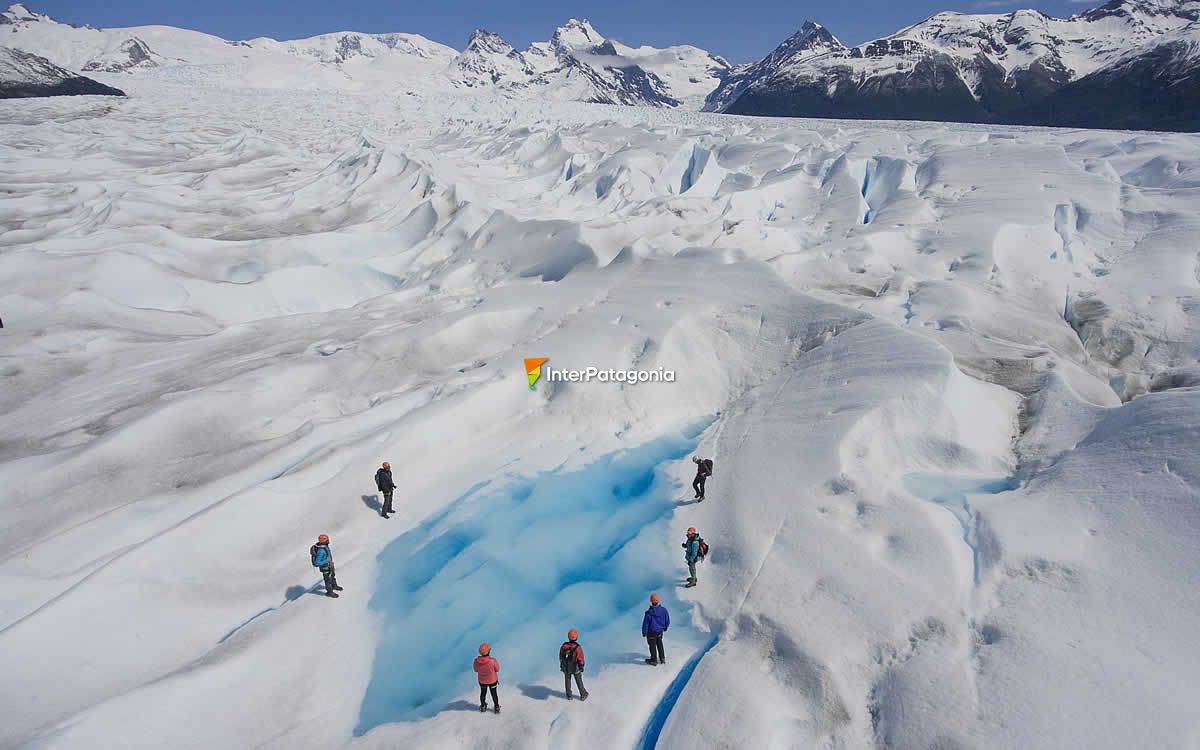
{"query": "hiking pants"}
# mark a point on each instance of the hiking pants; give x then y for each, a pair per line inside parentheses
(578, 682)
(698, 485)
(483, 691)
(387, 502)
(692, 569)
(655, 641)
(330, 578)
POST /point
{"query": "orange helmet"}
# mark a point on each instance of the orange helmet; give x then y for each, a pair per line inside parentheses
(654, 598)
(484, 649)
(572, 634)
(691, 530)
(386, 465)
(323, 539)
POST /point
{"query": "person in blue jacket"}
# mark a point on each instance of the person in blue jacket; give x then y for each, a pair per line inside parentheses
(691, 554)
(322, 559)
(654, 623)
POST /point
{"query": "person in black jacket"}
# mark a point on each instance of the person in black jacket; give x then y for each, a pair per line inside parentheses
(704, 467)
(383, 480)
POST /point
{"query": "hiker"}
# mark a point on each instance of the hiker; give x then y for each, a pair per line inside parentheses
(570, 661)
(704, 467)
(488, 670)
(383, 480)
(654, 623)
(692, 553)
(322, 558)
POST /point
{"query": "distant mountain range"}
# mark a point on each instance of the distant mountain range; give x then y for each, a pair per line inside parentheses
(1022, 67)
(1127, 64)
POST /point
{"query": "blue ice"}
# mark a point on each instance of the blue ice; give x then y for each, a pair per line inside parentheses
(517, 567)
(953, 493)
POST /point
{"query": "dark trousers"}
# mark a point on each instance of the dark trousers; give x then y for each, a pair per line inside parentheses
(387, 502)
(330, 578)
(655, 642)
(483, 691)
(578, 681)
(698, 485)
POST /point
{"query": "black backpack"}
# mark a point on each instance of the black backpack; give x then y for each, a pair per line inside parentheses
(707, 465)
(312, 554)
(568, 657)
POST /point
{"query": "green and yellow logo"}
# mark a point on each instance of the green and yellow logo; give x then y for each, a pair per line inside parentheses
(533, 368)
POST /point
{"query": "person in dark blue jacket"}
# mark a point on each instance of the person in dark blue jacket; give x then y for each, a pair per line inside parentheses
(322, 559)
(654, 623)
(691, 554)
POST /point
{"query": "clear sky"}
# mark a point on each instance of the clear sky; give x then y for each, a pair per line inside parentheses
(738, 31)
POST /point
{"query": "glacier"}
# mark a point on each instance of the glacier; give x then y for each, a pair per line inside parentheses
(223, 307)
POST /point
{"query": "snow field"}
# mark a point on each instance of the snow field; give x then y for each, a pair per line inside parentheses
(223, 310)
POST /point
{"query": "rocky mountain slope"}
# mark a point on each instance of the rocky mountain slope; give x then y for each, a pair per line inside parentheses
(970, 68)
(25, 75)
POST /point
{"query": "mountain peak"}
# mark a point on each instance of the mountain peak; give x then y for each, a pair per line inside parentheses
(576, 33)
(18, 12)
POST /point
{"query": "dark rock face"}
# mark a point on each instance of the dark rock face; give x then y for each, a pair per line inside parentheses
(1155, 91)
(24, 75)
(1010, 69)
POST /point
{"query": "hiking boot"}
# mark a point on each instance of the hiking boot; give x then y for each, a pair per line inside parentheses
(583, 697)
(569, 696)
(497, 708)
(331, 594)
(689, 584)
(482, 708)
(652, 662)
(337, 587)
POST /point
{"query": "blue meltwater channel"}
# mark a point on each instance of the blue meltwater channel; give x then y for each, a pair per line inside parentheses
(953, 493)
(517, 567)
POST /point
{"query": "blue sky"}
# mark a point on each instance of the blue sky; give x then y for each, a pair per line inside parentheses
(739, 31)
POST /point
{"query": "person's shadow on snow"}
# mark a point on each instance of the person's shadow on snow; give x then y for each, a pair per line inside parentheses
(682, 503)
(537, 692)
(372, 502)
(295, 592)
(461, 706)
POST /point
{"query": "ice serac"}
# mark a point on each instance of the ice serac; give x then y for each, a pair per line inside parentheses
(25, 75)
(975, 68)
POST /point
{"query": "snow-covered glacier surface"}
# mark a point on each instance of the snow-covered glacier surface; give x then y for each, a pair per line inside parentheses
(947, 374)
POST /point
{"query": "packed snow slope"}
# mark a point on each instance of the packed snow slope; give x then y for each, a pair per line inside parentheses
(948, 376)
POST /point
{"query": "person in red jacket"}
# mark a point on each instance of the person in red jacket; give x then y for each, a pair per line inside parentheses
(488, 670)
(570, 661)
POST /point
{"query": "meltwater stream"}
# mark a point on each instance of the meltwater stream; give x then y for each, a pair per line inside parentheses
(953, 493)
(516, 567)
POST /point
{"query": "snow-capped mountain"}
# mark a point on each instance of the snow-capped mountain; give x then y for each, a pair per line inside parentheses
(580, 64)
(955, 66)
(576, 64)
(811, 40)
(23, 74)
(1156, 86)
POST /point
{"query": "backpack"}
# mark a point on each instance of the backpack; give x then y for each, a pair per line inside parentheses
(702, 550)
(707, 464)
(568, 658)
(312, 553)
